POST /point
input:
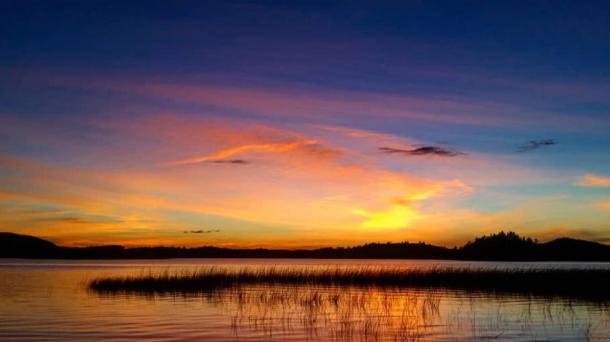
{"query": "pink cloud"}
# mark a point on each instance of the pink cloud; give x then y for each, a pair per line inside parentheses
(298, 102)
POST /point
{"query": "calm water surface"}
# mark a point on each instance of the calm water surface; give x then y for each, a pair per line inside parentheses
(49, 300)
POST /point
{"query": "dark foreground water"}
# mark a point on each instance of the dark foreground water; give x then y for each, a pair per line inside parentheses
(49, 300)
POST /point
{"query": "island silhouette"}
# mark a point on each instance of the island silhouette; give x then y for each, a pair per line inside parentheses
(502, 246)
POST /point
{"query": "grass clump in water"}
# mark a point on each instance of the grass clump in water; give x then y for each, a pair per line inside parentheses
(581, 283)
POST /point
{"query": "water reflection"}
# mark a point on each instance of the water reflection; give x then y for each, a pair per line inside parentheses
(386, 314)
(50, 301)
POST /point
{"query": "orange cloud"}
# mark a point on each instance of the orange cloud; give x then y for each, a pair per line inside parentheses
(604, 205)
(591, 180)
(226, 153)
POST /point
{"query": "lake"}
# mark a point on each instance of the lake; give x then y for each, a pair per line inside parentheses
(45, 300)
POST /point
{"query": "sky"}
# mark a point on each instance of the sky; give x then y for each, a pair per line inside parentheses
(300, 124)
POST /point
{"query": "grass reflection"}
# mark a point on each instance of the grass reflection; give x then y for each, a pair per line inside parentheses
(336, 304)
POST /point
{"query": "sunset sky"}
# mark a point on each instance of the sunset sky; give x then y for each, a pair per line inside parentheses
(303, 123)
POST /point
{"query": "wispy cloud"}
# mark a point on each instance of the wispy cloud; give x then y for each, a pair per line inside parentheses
(82, 220)
(426, 150)
(595, 181)
(535, 144)
(219, 156)
(297, 102)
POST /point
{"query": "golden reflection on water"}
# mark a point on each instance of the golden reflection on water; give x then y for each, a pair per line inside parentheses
(390, 314)
(370, 314)
(342, 314)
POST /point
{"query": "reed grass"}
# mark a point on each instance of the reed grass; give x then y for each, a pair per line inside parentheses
(593, 284)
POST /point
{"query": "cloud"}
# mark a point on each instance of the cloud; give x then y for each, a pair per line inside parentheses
(425, 150)
(201, 231)
(594, 181)
(219, 155)
(296, 102)
(78, 220)
(604, 205)
(535, 144)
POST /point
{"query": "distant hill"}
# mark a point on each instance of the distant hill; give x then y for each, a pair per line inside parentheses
(510, 246)
(501, 246)
(24, 246)
(573, 249)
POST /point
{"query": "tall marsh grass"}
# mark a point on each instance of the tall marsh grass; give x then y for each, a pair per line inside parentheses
(590, 284)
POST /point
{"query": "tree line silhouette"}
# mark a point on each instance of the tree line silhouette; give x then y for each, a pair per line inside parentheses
(508, 246)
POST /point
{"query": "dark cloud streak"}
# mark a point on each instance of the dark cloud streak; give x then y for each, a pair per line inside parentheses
(201, 231)
(230, 161)
(426, 150)
(535, 144)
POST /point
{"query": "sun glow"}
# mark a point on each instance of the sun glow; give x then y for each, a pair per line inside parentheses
(398, 216)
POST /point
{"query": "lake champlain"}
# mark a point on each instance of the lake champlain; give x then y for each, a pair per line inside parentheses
(49, 300)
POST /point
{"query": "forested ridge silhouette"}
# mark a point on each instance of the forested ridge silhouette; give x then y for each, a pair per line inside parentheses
(507, 246)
